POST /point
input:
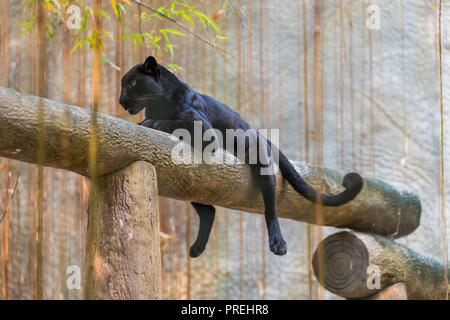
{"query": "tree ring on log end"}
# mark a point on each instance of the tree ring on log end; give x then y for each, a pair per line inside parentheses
(340, 263)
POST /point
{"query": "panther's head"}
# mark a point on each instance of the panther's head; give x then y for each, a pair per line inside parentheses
(141, 86)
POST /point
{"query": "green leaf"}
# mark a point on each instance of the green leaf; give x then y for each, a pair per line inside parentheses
(174, 67)
(79, 44)
(204, 17)
(84, 23)
(111, 63)
(149, 35)
(173, 31)
(50, 34)
(163, 32)
(135, 37)
(170, 49)
(103, 13)
(119, 14)
(24, 22)
(114, 5)
(212, 23)
(50, 22)
(30, 25)
(147, 17)
(109, 35)
(199, 15)
(221, 37)
(186, 17)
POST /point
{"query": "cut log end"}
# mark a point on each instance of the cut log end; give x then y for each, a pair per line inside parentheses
(356, 265)
(338, 262)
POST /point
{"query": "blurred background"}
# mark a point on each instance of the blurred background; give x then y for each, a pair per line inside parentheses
(348, 91)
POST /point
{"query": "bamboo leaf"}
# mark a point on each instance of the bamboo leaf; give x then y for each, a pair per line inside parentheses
(50, 5)
(50, 34)
(174, 67)
(79, 44)
(199, 15)
(114, 5)
(30, 25)
(173, 31)
(212, 23)
(204, 17)
(24, 22)
(163, 32)
(103, 13)
(119, 14)
(169, 47)
(111, 63)
(108, 34)
(186, 17)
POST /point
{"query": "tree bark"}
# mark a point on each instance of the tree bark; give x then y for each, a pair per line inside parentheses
(349, 264)
(395, 292)
(380, 208)
(123, 254)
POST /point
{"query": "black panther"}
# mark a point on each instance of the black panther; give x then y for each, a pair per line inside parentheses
(171, 104)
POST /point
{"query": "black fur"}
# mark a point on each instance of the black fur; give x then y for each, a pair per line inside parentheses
(171, 104)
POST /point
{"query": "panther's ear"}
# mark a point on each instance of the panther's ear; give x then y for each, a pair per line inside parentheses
(151, 66)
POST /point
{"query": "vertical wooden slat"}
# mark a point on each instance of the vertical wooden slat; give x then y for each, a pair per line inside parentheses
(443, 215)
(318, 107)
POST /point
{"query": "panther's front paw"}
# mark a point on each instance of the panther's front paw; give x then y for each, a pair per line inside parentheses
(146, 123)
(277, 245)
(152, 124)
(196, 250)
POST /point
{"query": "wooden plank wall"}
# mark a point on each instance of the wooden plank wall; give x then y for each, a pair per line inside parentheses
(341, 95)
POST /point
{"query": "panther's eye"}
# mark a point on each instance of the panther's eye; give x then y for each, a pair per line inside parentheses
(133, 83)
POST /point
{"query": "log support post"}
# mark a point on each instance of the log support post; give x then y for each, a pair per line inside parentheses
(123, 253)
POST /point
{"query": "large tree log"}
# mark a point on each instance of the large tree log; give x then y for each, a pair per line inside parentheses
(355, 265)
(123, 258)
(380, 208)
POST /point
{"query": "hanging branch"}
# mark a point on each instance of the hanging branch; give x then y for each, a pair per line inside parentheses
(182, 26)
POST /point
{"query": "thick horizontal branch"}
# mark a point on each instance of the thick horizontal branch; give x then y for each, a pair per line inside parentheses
(355, 265)
(380, 208)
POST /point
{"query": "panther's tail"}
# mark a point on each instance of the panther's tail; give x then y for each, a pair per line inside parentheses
(352, 182)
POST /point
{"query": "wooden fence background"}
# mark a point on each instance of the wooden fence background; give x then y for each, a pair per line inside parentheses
(342, 95)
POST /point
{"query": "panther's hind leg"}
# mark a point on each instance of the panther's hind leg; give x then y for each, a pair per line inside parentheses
(206, 214)
(262, 172)
(266, 184)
